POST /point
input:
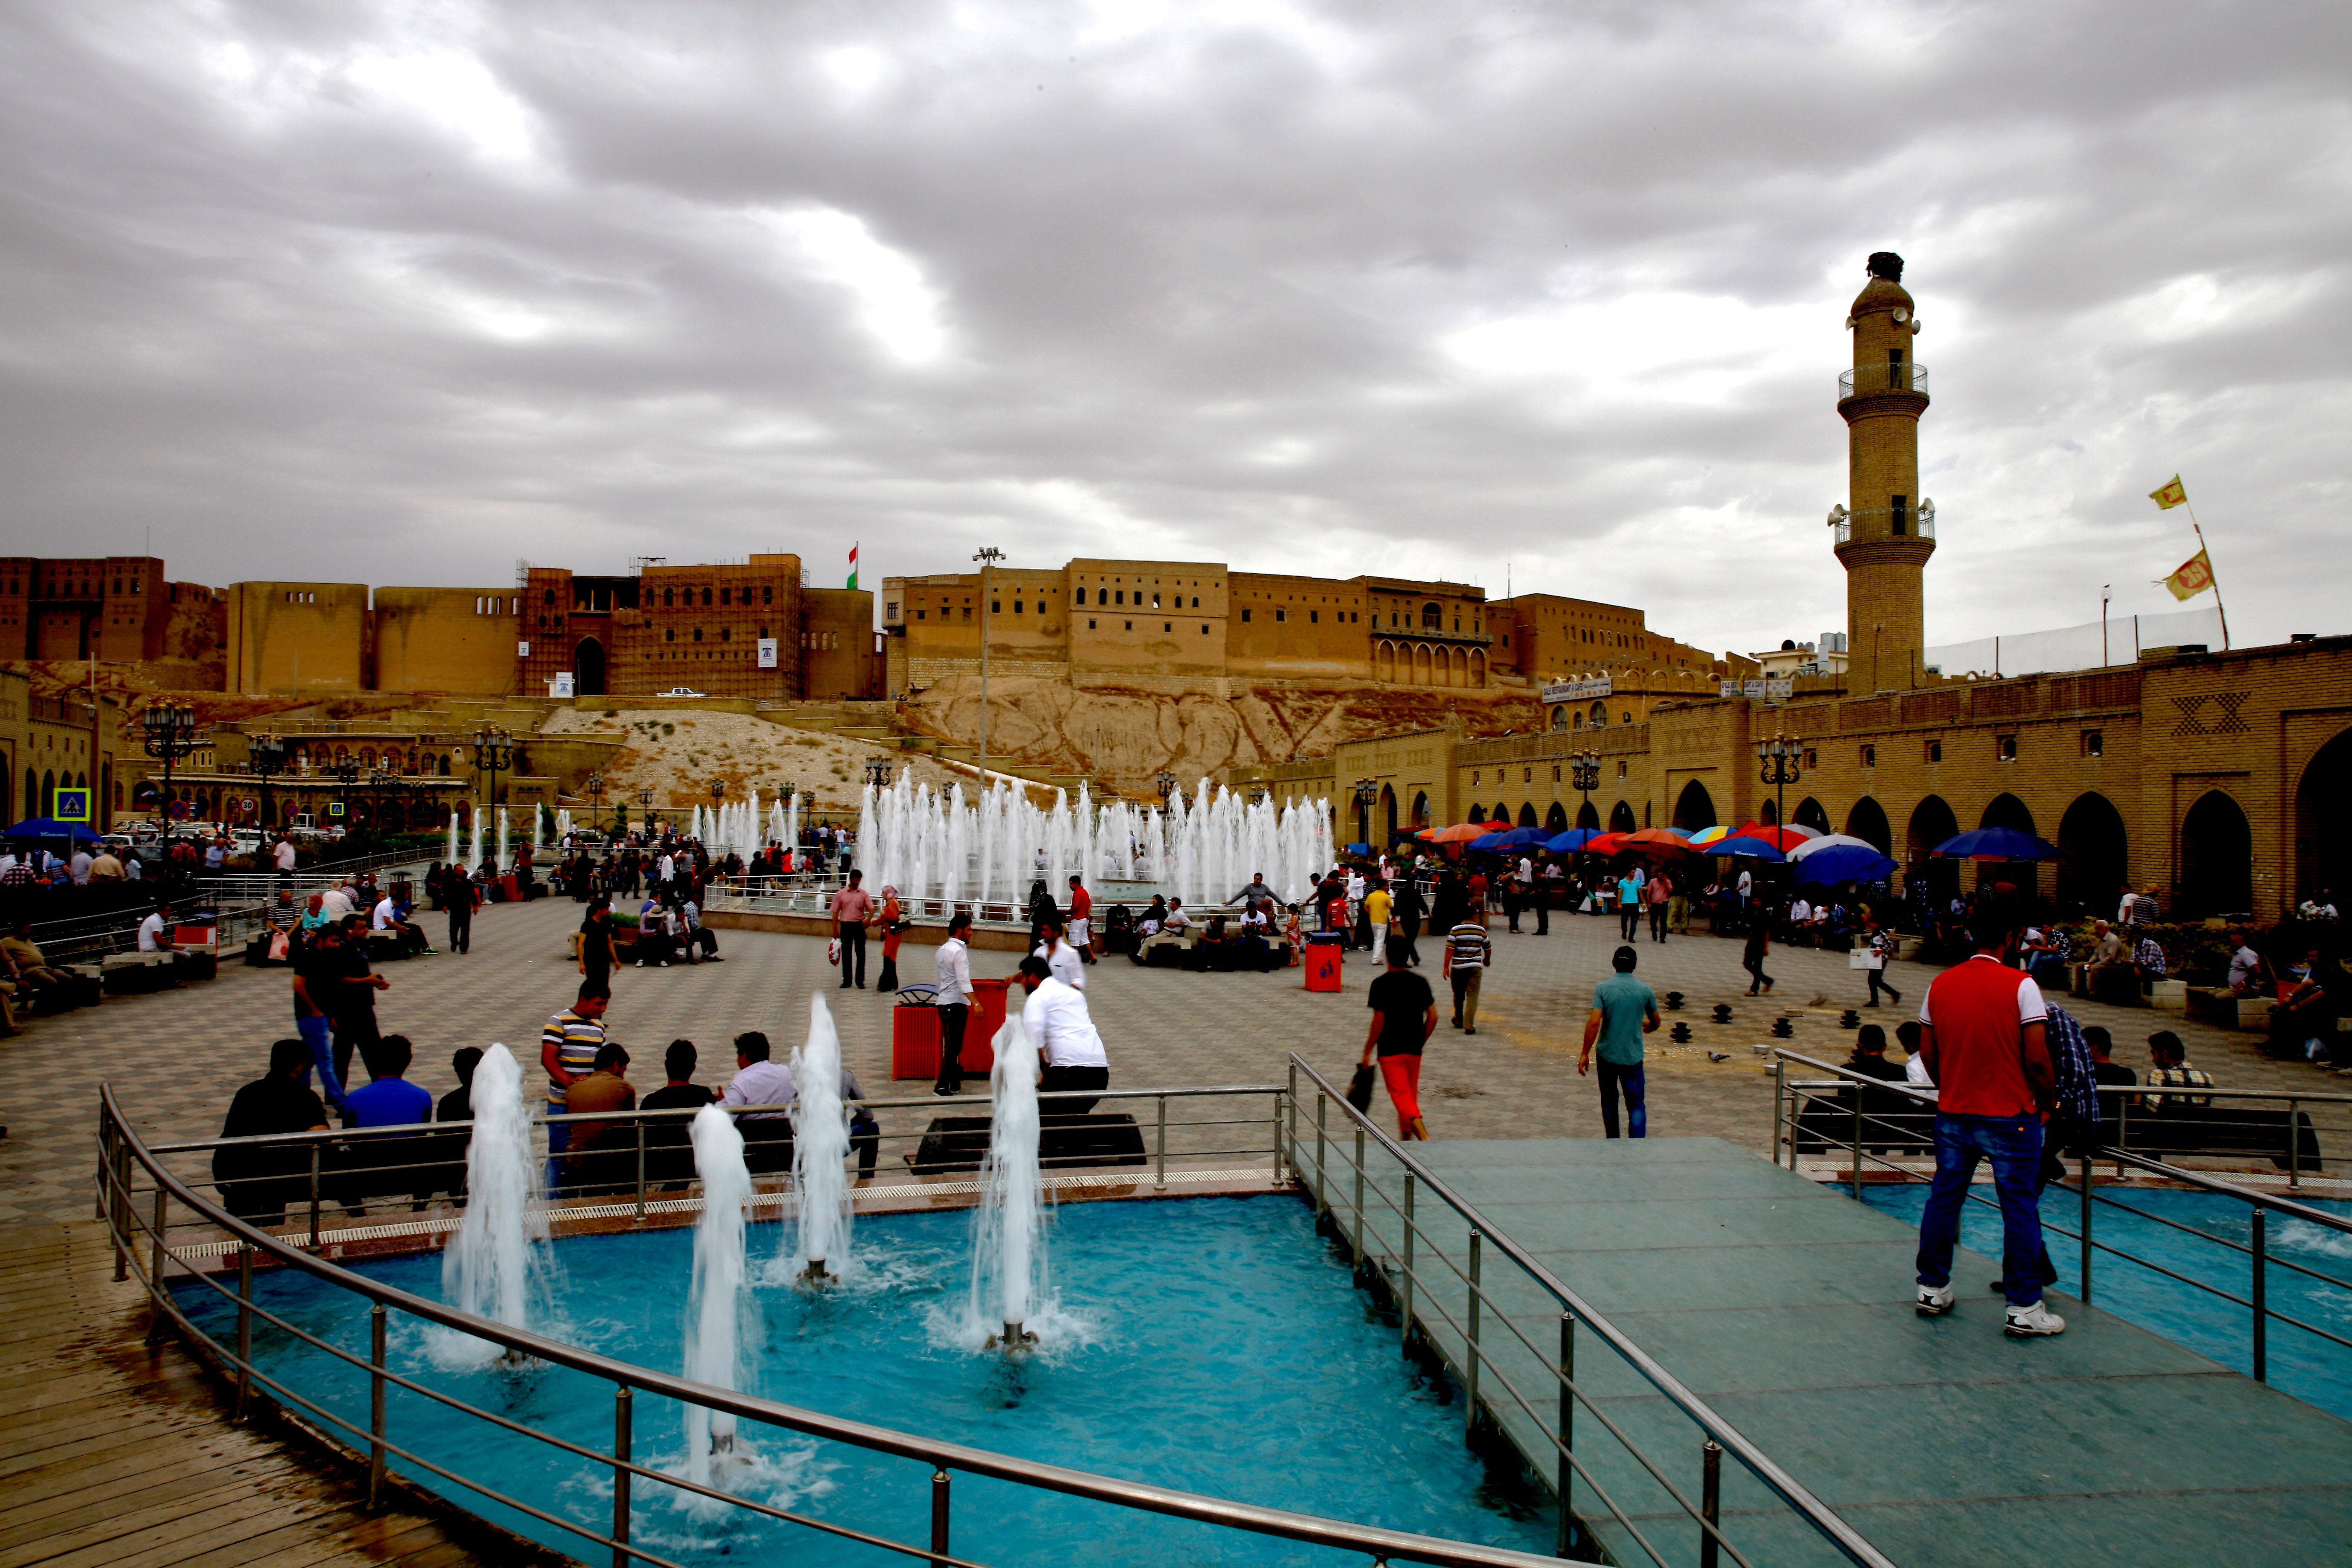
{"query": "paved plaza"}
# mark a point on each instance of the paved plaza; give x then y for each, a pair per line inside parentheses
(174, 1058)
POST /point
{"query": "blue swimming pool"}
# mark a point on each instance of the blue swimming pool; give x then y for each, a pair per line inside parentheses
(1216, 1345)
(2299, 1364)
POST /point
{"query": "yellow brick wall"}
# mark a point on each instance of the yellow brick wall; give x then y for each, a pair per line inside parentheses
(459, 640)
(297, 636)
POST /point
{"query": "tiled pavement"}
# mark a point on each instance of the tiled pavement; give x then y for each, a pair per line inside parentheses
(176, 1057)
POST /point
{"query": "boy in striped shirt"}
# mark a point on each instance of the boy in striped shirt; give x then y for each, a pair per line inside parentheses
(1468, 951)
(567, 1049)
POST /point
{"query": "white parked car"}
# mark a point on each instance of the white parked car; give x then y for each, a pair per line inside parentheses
(683, 691)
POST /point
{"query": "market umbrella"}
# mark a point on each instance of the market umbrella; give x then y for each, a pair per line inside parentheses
(1998, 844)
(1658, 842)
(50, 828)
(1490, 842)
(1358, 849)
(1706, 836)
(1781, 838)
(1460, 833)
(1570, 842)
(1606, 844)
(1745, 847)
(1832, 841)
(1843, 863)
(1523, 838)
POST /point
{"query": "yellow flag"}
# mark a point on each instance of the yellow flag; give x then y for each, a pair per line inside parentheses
(2170, 495)
(2195, 575)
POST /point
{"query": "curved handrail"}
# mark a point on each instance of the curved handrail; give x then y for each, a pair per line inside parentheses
(1818, 1514)
(938, 1454)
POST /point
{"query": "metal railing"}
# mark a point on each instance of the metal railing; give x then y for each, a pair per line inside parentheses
(1850, 1098)
(1914, 525)
(1864, 380)
(144, 1201)
(809, 896)
(1437, 1260)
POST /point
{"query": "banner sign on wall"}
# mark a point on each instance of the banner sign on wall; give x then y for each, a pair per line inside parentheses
(767, 653)
(1577, 690)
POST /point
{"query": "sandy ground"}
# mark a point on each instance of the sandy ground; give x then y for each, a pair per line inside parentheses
(679, 750)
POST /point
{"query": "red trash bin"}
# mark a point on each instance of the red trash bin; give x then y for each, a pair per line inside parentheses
(1322, 965)
(915, 1035)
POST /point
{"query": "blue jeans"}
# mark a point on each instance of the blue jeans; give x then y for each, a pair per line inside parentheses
(559, 1139)
(1637, 1110)
(317, 1033)
(2014, 1144)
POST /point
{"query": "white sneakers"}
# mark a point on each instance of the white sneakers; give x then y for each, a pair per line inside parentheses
(2032, 1320)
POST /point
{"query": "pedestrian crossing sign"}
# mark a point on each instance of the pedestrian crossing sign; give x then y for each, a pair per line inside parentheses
(334, 808)
(72, 806)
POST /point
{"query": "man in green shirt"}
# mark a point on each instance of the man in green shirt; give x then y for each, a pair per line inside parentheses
(1624, 1010)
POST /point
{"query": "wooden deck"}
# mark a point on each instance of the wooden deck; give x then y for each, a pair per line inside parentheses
(114, 1454)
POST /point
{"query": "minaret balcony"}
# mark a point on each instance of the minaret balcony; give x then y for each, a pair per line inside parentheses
(1868, 380)
(1885, 523)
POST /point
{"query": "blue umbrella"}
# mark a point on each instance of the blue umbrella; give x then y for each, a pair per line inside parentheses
(1843, 863)
(1574, 839)
(1998, 844)
(1490, 842)
(1521, 837)
(1358, 849)
(1747, 848)
(50, 828)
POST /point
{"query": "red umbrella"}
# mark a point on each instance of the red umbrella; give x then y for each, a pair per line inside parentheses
(1608, 844)
(1781, 838)
(1657, 841)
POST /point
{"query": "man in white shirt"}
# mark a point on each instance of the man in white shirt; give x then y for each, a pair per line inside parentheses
(150, 933)
(767, 1134)
(335, 903)
(1069, 1047)
(954, 966)
(81, 867)
(283, 856)
(1060, 957)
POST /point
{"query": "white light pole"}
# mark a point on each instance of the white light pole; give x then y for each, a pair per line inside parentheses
(989, 556)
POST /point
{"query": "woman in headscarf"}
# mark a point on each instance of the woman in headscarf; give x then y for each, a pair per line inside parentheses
(892, 930)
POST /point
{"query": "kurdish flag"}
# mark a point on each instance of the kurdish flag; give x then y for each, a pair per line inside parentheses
(2170, 494)
(853, 559)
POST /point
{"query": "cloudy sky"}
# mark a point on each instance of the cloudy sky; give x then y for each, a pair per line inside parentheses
(399, 293)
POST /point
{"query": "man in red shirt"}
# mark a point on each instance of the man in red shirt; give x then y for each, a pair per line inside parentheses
(1082, 908)
(1980, 1038)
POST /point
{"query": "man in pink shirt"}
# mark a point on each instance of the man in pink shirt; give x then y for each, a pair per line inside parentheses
(852, 908)
(1981, 1037)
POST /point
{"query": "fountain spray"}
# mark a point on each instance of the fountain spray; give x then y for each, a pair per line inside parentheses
(486, 1268)
(820, 1148)
(719, 1247)
(1008, 1253)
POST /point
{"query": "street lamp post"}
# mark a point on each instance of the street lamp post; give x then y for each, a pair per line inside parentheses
(595, 795)
(265, 755)
(381, 783)
(645, 807)
(1779, 758)
(1584, 772)
(1367, 792)
(171, 734)
(493, 754)
(877, 772)
(988, 557)
(347, 774)
(1167, 782)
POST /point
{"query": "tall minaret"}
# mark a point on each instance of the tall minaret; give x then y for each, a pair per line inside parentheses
(1884, 541)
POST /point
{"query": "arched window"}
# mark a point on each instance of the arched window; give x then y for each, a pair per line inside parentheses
(1556, 819)
(1600, 715)
(1694, 808)
(2092, 865)
(551, 596)
(2217, 858)
(1433, 618)
(706, 598)
(1478, 813)
(669, 597)
(1621, 818)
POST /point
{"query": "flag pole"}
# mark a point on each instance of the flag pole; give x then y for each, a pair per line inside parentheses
(2201, 549)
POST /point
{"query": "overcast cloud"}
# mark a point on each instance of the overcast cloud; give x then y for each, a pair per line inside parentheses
(400, 293)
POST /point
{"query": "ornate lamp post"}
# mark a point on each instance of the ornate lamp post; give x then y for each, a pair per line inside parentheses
(347, 774)
(1167, 782)
(1584, 772)
(171, 734)
(1779, 758)
(382, 784)
(877, 772)
(645, 806)
(988, 557)
(493, 754)
(267, 755)
(595, 795)
(1367, 792)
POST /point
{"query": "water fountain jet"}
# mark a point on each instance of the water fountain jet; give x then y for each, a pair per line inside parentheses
(1008, 1252)
(488, 1266)
(819, 1149)
(718, 1271)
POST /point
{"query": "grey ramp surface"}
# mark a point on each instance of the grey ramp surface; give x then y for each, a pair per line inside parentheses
(1787, 1306)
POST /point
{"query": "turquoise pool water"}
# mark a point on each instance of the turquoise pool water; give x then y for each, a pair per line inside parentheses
(1214, 1345)
(2299, 1364)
